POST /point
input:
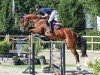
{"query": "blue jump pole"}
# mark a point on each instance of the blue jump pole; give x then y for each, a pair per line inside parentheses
(62, 54)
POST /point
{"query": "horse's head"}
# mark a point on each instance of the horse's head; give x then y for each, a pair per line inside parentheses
(23, 23)
(25, 20)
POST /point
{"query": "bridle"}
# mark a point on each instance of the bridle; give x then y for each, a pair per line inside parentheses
(36, 20)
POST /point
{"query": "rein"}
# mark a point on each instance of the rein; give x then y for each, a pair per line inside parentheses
(36, 20)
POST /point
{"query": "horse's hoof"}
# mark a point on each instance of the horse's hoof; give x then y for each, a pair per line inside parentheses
(84, 55)
(78, 69)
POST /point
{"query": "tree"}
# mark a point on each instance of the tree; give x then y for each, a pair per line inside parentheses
(9, 23)
(71, 15)
(49, 3)
(4, 15)
(80, 22)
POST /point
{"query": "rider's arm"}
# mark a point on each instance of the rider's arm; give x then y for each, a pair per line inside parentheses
(44, 16)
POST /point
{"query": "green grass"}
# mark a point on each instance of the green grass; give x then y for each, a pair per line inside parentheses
(17, 66)
(20, 66)
(37, 66)
(70, 65)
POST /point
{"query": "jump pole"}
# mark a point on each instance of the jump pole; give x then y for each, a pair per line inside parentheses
(31, 65)
(62, 57)
(62, 54)
(51, 56)
(33, 55)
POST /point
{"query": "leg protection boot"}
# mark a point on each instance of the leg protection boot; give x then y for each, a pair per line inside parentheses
(51, 27)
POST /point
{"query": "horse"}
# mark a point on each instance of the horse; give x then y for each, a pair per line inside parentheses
(40, 26)
(82, 45)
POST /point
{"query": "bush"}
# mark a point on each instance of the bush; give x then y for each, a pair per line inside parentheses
(38, 46)
(93, 33)
(42, 57)
(25, 48)
(4, 47)
(95, 66)
(71, 15)
(15, 58)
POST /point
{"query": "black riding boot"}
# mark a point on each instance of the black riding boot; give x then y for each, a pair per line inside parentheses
(51, 27)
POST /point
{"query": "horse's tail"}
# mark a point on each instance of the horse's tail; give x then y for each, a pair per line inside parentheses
(82, 45)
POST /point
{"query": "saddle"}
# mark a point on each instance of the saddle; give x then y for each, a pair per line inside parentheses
(57, 26)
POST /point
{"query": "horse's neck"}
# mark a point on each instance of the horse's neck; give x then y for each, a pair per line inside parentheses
(41, 22)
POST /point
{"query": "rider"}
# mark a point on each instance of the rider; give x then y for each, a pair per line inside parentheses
(47, 12)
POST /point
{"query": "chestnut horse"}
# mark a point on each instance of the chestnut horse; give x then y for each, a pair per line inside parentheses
(41, 27)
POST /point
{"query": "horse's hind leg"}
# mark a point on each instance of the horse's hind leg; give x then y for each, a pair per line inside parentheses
(76, 55)
(71, 45)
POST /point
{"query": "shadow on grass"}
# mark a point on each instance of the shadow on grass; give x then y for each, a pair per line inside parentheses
(74, 72)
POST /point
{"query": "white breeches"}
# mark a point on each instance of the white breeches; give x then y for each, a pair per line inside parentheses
(53, 16)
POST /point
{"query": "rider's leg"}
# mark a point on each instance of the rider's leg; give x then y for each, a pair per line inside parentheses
(51, 26)
(52, 17)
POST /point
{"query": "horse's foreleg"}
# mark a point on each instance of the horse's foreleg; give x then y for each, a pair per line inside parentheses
(34, 30)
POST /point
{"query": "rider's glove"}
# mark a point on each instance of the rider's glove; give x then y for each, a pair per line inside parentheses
(40, 17)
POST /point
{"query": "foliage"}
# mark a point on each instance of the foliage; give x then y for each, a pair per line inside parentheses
(93, 33)
(25, 47)
(58, 45)
(38, 47)
(4, 47)
(95, 66)
(9, 23)
(15, 58)
(71, 15)
(49, 3)
(42, 57)
(92, 7)
(66, 12)
(4, 16)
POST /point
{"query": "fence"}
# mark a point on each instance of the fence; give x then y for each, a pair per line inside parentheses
(93, 42)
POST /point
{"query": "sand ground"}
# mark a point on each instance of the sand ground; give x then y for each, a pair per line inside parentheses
(69, 60)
